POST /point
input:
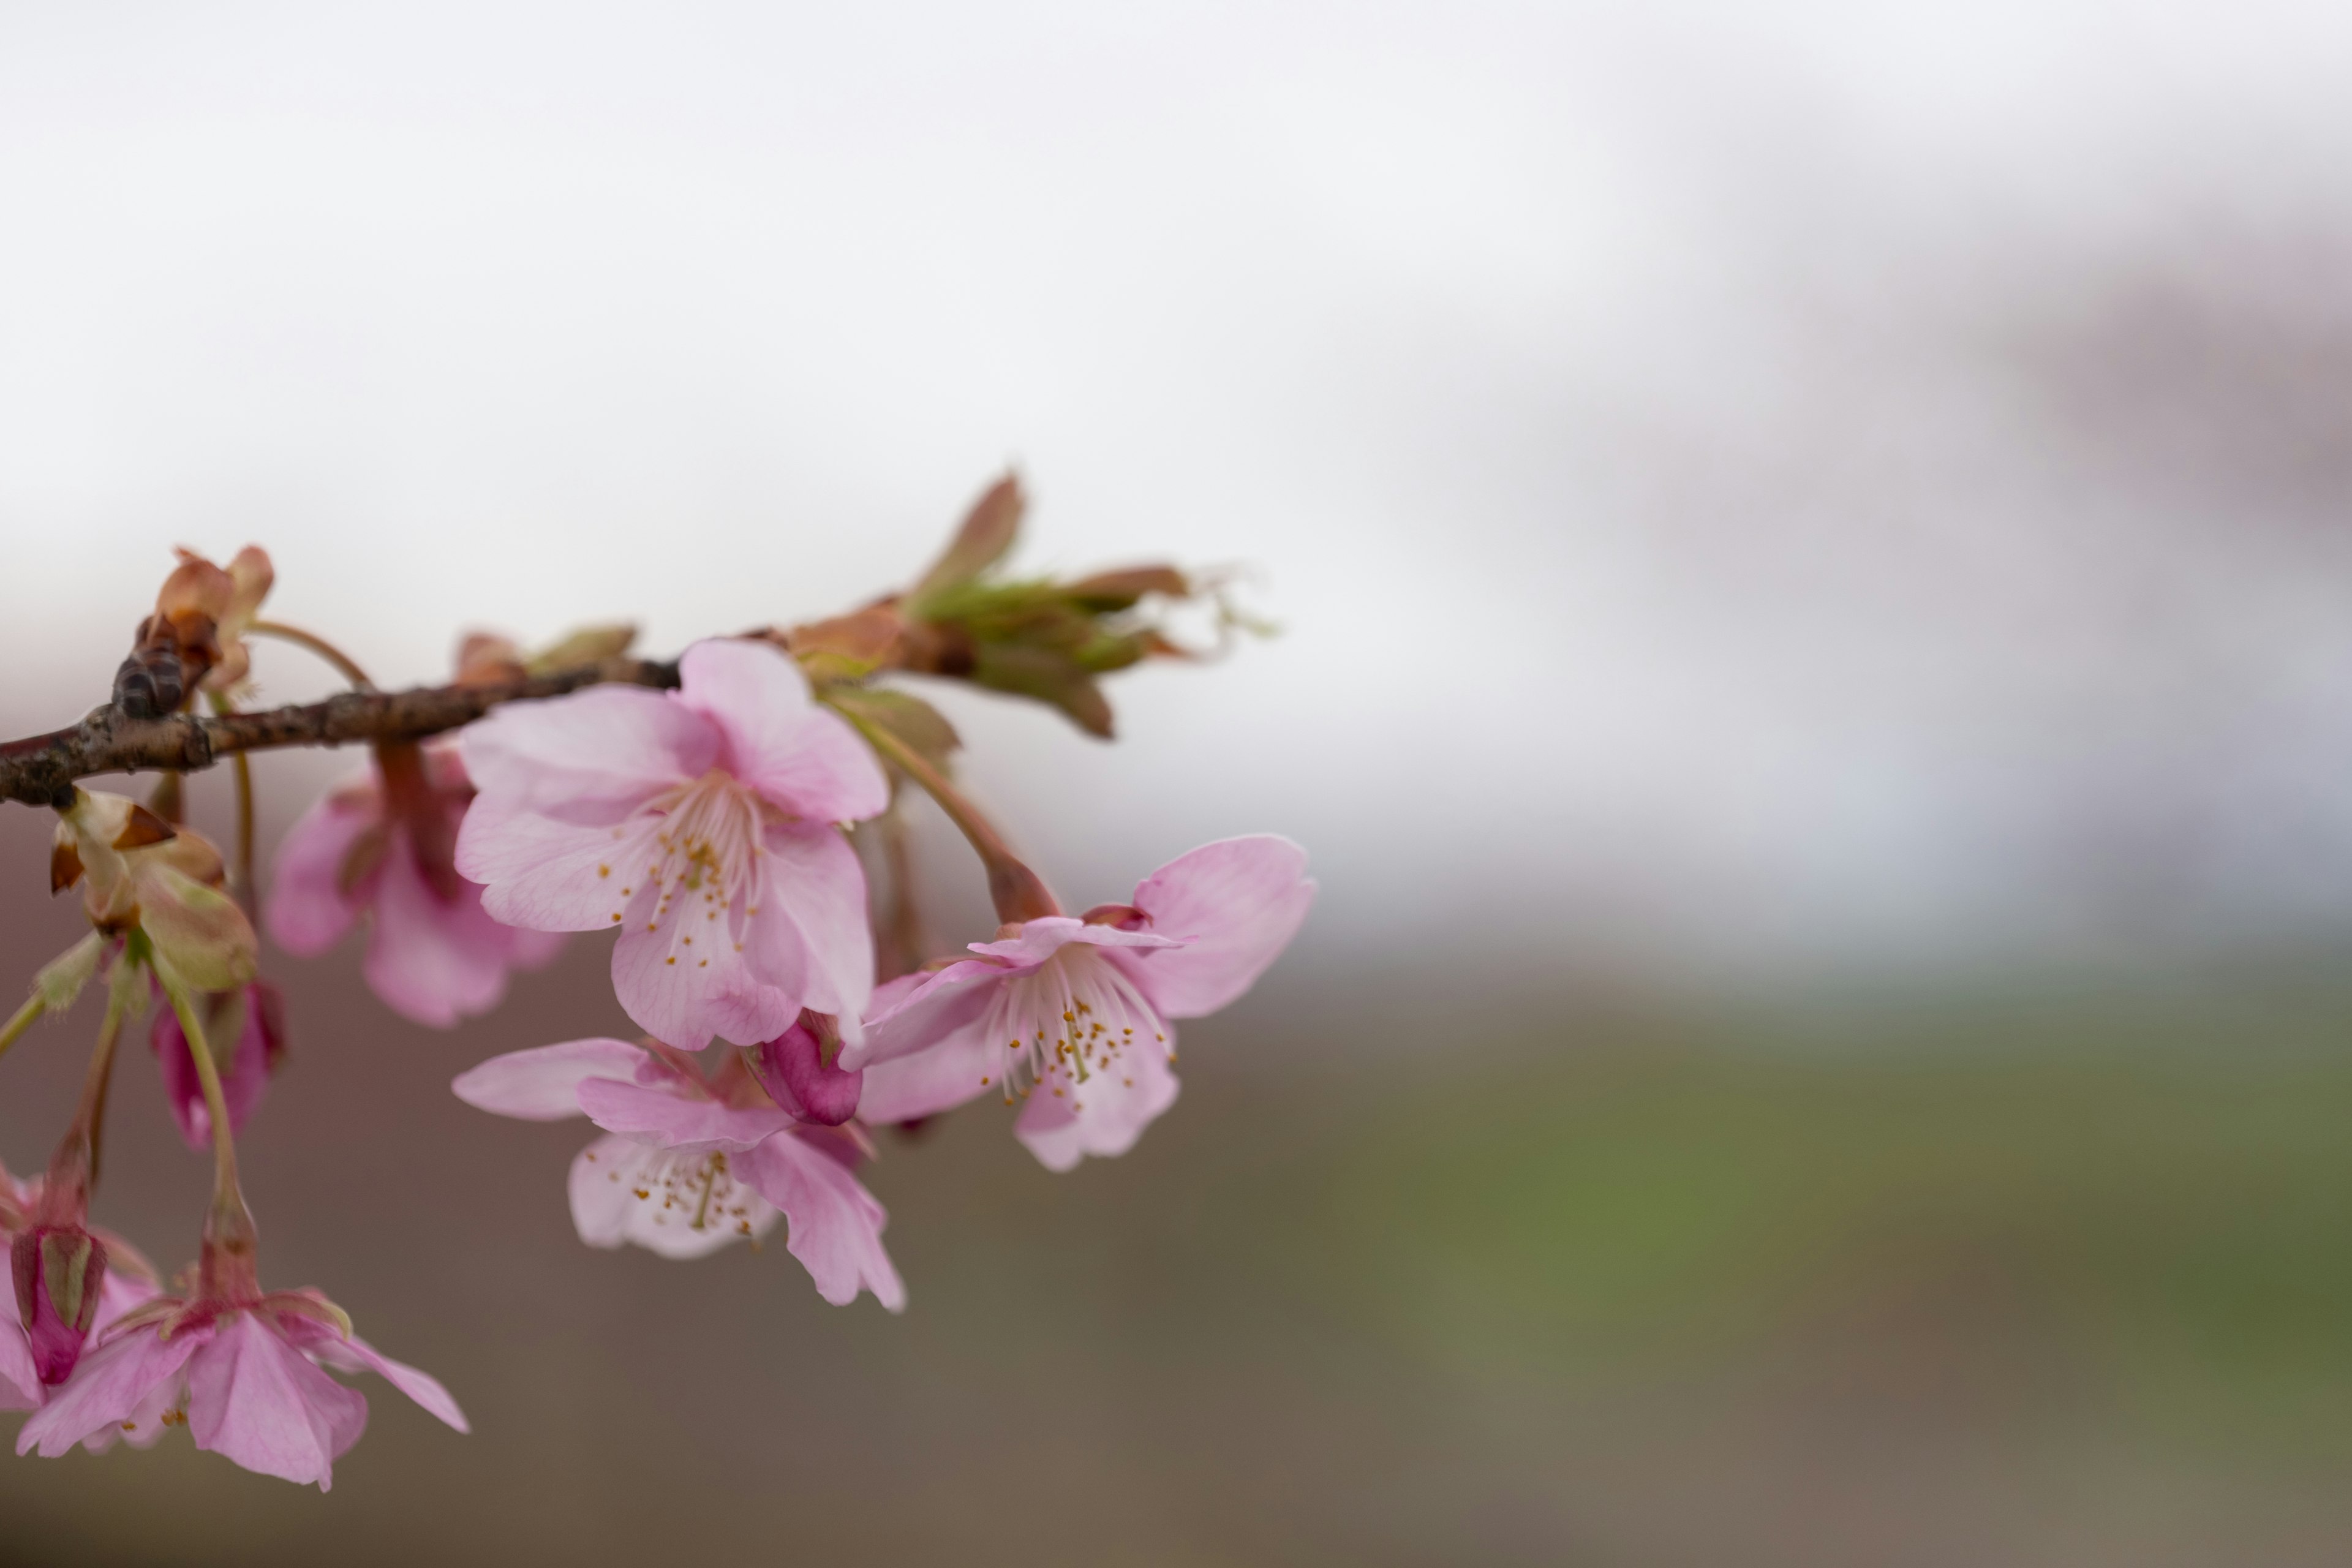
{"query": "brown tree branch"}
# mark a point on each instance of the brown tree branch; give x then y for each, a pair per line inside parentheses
(41, 770)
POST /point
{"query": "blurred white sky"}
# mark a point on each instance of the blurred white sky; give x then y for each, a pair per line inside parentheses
(1743, 484)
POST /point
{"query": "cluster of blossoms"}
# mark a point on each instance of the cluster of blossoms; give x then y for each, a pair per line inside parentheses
(721, 816)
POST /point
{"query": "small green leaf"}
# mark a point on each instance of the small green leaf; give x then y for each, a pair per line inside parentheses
(62, 978)
(909, 718)
(988, 531)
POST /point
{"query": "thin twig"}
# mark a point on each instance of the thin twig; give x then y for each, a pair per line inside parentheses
(41, 770)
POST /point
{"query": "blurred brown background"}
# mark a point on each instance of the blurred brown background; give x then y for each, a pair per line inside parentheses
(1810, 544)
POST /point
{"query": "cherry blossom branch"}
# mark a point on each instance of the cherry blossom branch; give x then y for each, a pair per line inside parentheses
(41, 770)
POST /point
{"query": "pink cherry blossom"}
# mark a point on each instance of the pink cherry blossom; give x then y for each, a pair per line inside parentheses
(245, 1380)
(1080, 1007)
(700, 825)
(385, 852)
(689, 1165)
(246, 1033)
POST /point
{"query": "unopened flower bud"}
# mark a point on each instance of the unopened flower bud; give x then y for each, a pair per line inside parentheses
(59, 1270)
(801, 1068)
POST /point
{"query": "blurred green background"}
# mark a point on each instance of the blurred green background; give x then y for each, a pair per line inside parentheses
(2049, 1273)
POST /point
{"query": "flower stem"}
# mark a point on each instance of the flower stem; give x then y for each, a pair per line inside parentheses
(73, 1169)
(20, 1021)
(1019, 893)
(224, 1188)
(342, 662)
(243, 767)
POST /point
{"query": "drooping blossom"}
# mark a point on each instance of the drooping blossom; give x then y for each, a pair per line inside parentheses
(138, 871)
(1071, 1016)
(382, 846)
(124, 1280)
(700, 825)
(243, 1375)
(689, 1165)
(246, 1031)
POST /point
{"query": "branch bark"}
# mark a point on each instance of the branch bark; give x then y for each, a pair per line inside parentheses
(42, 770)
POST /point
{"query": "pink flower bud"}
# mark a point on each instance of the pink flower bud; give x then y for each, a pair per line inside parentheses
(59, 1271)
(806, 1076)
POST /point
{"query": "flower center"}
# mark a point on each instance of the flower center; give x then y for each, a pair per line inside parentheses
(696, 1192)
(1074, 1019)
(704, 852)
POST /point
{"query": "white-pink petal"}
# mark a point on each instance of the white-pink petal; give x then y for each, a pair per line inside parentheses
(802, 758)
(107, 1387)
(916, 1011)
(546, 874)
(959, 1067)
(673, 1120)
(813, 881)
(684, 986)
(543, 1084)
(1103, 1117)
(836, 1224)
(355, 1355)
(1235, 905)
(610, 748)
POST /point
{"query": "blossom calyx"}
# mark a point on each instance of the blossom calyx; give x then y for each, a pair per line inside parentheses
(138, 872)
(59, 1270)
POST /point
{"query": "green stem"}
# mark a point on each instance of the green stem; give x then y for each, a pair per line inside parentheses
(20, 1022)
(243, 767)
(89, 1129)
(342, 662)
(224, 1188)
(1020, 894)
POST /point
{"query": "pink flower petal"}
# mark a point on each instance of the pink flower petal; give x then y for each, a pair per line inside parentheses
(256, 1400)
(107, 1387)
(549, 875)
(20, 1384)
(355, 1355)
(543, 1084)
(683, 985)
(1102, 1117)
(958, 1068)
(431, 960)
(307, 911)
(815, 882)
(1040, 939)
(836, 1224)
(915, 1012)
(1235, 904)
(673, 1120)
(606, 750)
(802, 757)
